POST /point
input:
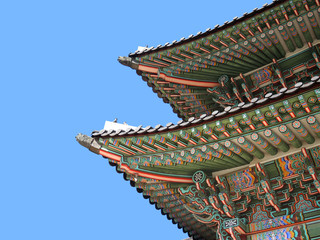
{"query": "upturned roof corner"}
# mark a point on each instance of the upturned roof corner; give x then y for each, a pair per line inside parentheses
(129, 62)
(88, 142)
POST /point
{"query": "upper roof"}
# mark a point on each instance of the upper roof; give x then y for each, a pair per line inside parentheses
(243, 59)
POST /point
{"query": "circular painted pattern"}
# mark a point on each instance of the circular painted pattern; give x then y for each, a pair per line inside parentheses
(263, 35)
(310, 14)
(198, 176)
(192, 151)
(299, 19)
(311, 119)
(182, 153)
(289, 24)
(271, 32)
(242, 122)
(254, 136)
(280, 28)
(227, 143)
(283, 128)
(312, 99)
(282, 110)
(253, 39)
(255, 119)
(215, 146)
(296, 124)
(204, 148)
(241, 139)
(296, 105)
(268, 114)
(267, 132)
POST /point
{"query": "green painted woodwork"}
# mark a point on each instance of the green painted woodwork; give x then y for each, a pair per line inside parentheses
(267, 174)
(304, 29)
(314, 124)
(314, 24)
(264, 144)
(290, 136)
(286, 38)
(240, 49)
(206, 148)
(239, 151)
(220, 148)
(248, 59)
(276, 42)
(277, 141)
(303, 132)
(294, 34)
(250, 147)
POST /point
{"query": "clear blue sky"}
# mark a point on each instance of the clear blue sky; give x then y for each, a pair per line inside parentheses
(60, 76)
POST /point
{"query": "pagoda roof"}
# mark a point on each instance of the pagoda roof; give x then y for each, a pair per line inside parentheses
(166, 180)
(259, 52)
(248, 93)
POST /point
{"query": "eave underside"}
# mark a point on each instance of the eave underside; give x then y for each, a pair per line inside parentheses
(248, 145)
(168, 182)
(227, 65)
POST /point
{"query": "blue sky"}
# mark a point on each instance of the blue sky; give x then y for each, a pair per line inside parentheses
(60, 76)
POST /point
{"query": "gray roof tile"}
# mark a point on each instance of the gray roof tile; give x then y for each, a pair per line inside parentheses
(274, 96)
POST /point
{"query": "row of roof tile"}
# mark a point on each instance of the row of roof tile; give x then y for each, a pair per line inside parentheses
(208, 30)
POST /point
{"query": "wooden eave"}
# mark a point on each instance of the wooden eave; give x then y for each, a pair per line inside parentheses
(148, 146)
(181, 104)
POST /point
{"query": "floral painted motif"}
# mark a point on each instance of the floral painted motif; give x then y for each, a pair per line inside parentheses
(242, 180)
(303, 205)
(315, 152)
(276, 222)
(259, 215)
(262, 76)
(290, 165)
(293, 233)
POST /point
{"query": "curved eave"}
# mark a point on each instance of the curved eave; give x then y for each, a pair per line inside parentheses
(215, 116)
(161, 153)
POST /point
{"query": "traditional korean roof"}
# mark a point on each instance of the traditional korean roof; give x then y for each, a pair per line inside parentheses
(247, 147)
(248, 57)
(161, 161)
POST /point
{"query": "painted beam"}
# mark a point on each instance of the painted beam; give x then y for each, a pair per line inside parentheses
(290, 136)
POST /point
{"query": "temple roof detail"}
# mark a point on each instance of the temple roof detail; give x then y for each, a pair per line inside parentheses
(243, 59)
(246, 152)
(160, 162)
